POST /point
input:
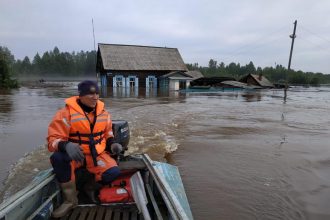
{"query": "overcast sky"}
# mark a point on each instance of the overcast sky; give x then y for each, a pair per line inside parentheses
(227, 31)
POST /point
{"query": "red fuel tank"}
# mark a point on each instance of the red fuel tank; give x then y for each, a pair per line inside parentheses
(118, 192)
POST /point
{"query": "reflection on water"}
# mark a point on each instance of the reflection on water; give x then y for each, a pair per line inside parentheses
(5, 102)
(252, 96)
(241, 154)
(135, 92)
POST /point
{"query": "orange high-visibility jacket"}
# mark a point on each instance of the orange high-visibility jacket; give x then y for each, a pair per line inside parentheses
(71, 124)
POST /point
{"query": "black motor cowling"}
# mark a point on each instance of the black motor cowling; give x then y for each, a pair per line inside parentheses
(121, 133)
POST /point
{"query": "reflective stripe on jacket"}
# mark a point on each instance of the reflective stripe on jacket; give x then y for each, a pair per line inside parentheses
(71, 124)
(80, 131)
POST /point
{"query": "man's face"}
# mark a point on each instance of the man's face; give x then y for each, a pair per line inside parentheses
(90, 100)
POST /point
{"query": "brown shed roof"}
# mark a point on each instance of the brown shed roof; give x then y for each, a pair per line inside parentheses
(196, 74)
(259, 79)
(177, 73)
(132, 57)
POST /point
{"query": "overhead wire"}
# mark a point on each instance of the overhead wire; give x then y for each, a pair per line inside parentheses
(259, 46)
(321, 37)
(251, 46)
(317, 45)
(327, 50)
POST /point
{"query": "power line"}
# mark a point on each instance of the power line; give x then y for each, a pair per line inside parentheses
(321, 37)
(253, 48)
(327, 50)
(238, 51)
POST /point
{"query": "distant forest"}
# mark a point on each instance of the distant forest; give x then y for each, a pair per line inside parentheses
(278, 74)
(50, 64)
(54, 63)
(57, 63)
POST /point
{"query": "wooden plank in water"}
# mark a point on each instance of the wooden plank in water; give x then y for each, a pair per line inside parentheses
(92, 212)
(108, 213)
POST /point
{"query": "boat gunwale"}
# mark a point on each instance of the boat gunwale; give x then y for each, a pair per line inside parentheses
(173, 204)
(25, 193)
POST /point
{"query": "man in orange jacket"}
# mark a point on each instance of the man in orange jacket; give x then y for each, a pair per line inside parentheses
(78, 135)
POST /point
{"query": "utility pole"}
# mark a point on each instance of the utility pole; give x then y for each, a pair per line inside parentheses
(97, 75)
(292, 36)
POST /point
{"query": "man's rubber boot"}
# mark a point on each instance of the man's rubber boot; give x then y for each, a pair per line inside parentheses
(90, 189)
(70, 199)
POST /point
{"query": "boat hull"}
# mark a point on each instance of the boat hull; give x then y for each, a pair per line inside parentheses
(157, 190)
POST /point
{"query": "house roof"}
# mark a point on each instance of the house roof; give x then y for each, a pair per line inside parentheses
(239, 84)
(133, 57)
(210, 81)
(195, 74)
(261, 80)
(177, 74)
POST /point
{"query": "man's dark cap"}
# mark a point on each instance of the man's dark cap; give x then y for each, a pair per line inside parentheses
(87, 87)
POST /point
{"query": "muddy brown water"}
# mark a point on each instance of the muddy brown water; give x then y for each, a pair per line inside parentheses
(241, 154)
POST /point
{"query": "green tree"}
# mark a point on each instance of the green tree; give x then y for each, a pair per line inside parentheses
(36, 65)
(234, 70)
(250, 68)
(212, 64)
(90, 64)
(222, 70)
(212, 69)
(26, 65)
(314, 81)
(298, 78)
(6, 60)
(46, 64)
(193, 66)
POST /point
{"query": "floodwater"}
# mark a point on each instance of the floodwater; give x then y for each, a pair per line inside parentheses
(241, 154)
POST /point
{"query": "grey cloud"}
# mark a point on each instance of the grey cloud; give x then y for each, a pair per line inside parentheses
(228, 31)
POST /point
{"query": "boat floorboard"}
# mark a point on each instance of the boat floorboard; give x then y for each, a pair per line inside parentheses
(103, 213)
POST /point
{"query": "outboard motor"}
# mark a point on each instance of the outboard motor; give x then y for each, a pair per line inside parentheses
(121, 133)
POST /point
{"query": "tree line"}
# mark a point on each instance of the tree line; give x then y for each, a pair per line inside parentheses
(278, 74)
(52, 63)
(56, 63)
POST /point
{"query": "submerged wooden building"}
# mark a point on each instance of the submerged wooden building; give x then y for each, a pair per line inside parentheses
(134, 66)
(257, 80)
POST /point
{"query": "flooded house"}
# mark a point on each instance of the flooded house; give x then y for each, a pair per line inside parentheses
(215, 81)
(134, 66)
(195, 74)
(220, 82)
(257, 80)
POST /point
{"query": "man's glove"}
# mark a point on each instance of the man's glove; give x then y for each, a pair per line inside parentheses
(75, 152)
(116, 149)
